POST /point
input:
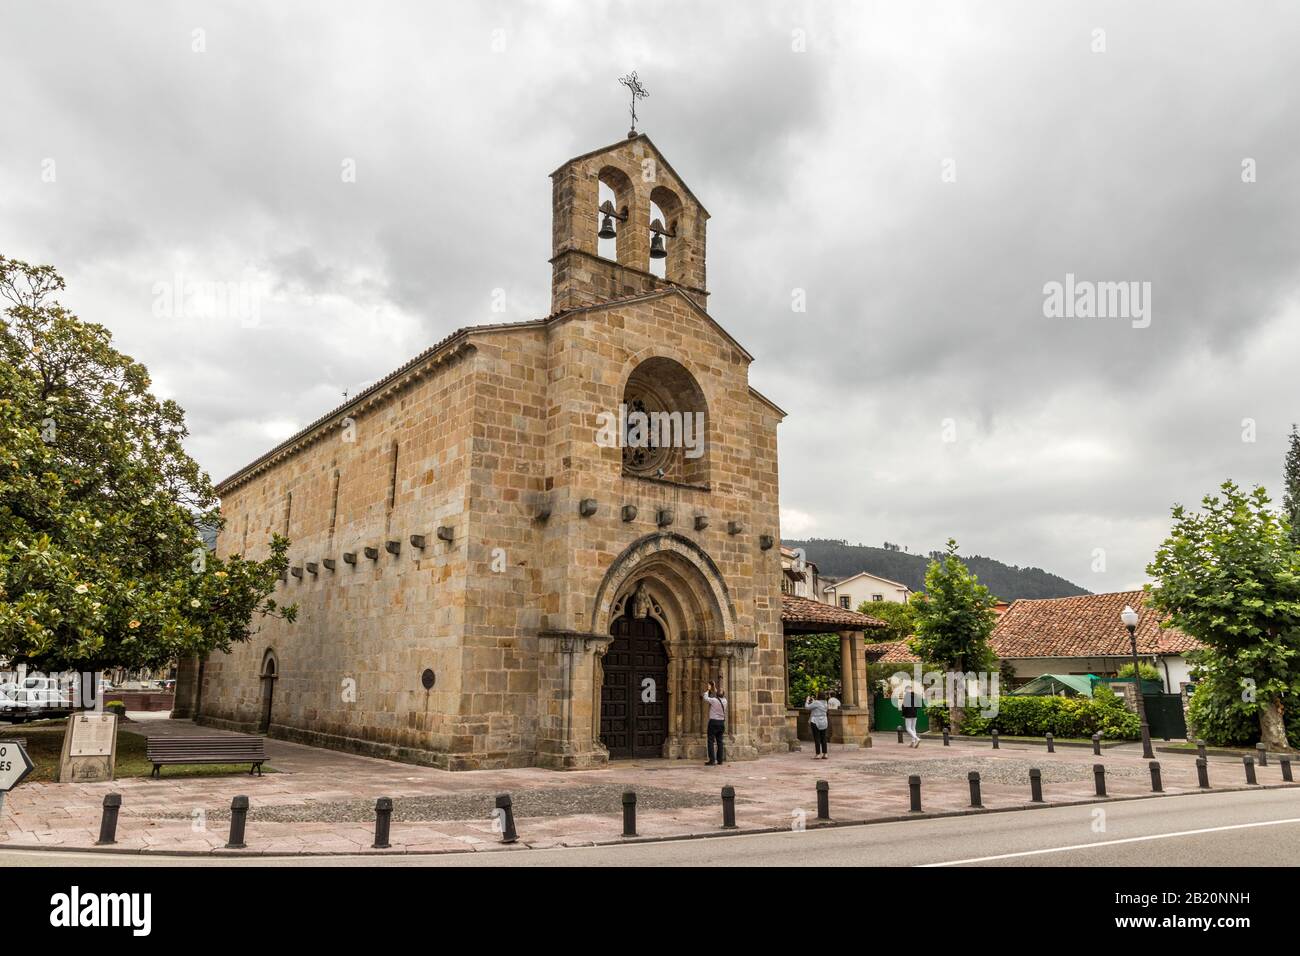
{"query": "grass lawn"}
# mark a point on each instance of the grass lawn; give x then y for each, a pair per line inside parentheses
(45, 746)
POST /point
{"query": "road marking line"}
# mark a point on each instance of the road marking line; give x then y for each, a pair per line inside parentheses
(1140, 839)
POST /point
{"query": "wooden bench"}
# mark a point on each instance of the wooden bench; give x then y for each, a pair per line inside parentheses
(228, 748)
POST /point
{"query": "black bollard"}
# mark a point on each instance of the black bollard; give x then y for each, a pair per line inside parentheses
(238, 817)
(728, 808)
(1286, 768)
(945, 736)
(1035, 785)
(973, 778)
(1203, 773)
(1099, 778)
(629, 813)
(1096, 745)
(1051, 744)
(108, 822)
(914, 788)
(506, 814)
(823, 800)
(1155, 777)
(383, 822)
(900, 735)
(995, 738)
(1200, 749)
(1263, 754)
(1249, 761)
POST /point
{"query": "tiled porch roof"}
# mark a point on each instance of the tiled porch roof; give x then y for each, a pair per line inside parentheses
(801, 615)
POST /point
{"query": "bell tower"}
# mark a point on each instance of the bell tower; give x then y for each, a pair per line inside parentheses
(637, 175)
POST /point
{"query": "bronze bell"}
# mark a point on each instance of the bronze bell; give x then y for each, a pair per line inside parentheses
(657, 247)
(607, 228)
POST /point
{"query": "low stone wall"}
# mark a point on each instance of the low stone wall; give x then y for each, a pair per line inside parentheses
(141, 699)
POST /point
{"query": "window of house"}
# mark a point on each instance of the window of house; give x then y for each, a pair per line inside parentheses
(877, 597)
(844, 602)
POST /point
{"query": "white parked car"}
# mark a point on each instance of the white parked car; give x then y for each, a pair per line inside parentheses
(34, 698)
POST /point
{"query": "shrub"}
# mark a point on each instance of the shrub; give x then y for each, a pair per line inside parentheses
(939, 716)
(1148, 671)
(1059, 716)
(116, 707)
(1221, 717)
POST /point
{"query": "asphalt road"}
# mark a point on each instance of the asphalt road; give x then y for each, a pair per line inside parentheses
(1247, 828)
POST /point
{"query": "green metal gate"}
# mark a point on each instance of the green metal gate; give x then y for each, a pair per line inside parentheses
(1165, 716)
(889, 717)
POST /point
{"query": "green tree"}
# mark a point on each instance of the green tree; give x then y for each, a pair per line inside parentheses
(954, 617)
(100, 560)
(1291, 481)
(897, 615)
(814, 665)
(1229, 576)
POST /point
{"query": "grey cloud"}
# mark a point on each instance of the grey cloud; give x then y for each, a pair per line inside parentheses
(822, 172)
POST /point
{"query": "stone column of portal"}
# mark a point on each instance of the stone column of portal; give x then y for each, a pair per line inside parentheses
(676, 702)
(740, 699)
(591, 671)
(734, 711)
(576, 670)
(693, 692)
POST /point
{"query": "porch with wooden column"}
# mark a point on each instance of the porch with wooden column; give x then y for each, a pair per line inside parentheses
(851, 722)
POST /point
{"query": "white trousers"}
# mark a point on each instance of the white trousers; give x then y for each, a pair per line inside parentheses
(910, 724)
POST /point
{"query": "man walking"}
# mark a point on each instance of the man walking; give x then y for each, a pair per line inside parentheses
(716, 699)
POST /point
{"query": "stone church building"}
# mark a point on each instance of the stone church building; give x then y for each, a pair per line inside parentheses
(484, 578)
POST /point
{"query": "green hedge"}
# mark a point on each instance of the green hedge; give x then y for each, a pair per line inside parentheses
(1059, 716)
(1222, 718)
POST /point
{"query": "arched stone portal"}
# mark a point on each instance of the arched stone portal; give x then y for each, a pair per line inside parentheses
(669, 580)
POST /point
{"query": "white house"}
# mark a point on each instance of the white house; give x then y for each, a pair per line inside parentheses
(799, 577)
(864, 586)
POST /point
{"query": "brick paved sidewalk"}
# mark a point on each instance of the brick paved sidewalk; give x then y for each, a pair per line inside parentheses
(320, 800)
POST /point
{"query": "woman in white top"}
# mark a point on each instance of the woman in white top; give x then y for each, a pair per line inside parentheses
(819, 722)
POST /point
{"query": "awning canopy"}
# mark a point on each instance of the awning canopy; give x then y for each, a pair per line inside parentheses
(1057, 685)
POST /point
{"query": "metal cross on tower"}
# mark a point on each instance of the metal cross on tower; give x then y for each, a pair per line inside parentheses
(637, 91)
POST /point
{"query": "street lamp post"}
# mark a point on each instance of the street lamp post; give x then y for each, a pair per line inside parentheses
(1130, 619)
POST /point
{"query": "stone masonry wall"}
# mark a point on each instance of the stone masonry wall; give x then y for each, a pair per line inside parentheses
(350, 666)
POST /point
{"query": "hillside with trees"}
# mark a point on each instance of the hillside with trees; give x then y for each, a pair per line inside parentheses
(839, 559)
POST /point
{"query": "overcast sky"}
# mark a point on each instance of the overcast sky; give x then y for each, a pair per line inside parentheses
(920, 171)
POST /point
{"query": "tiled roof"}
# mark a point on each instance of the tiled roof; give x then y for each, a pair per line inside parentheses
(805, 614)
(891, 652)
(1083, 626)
